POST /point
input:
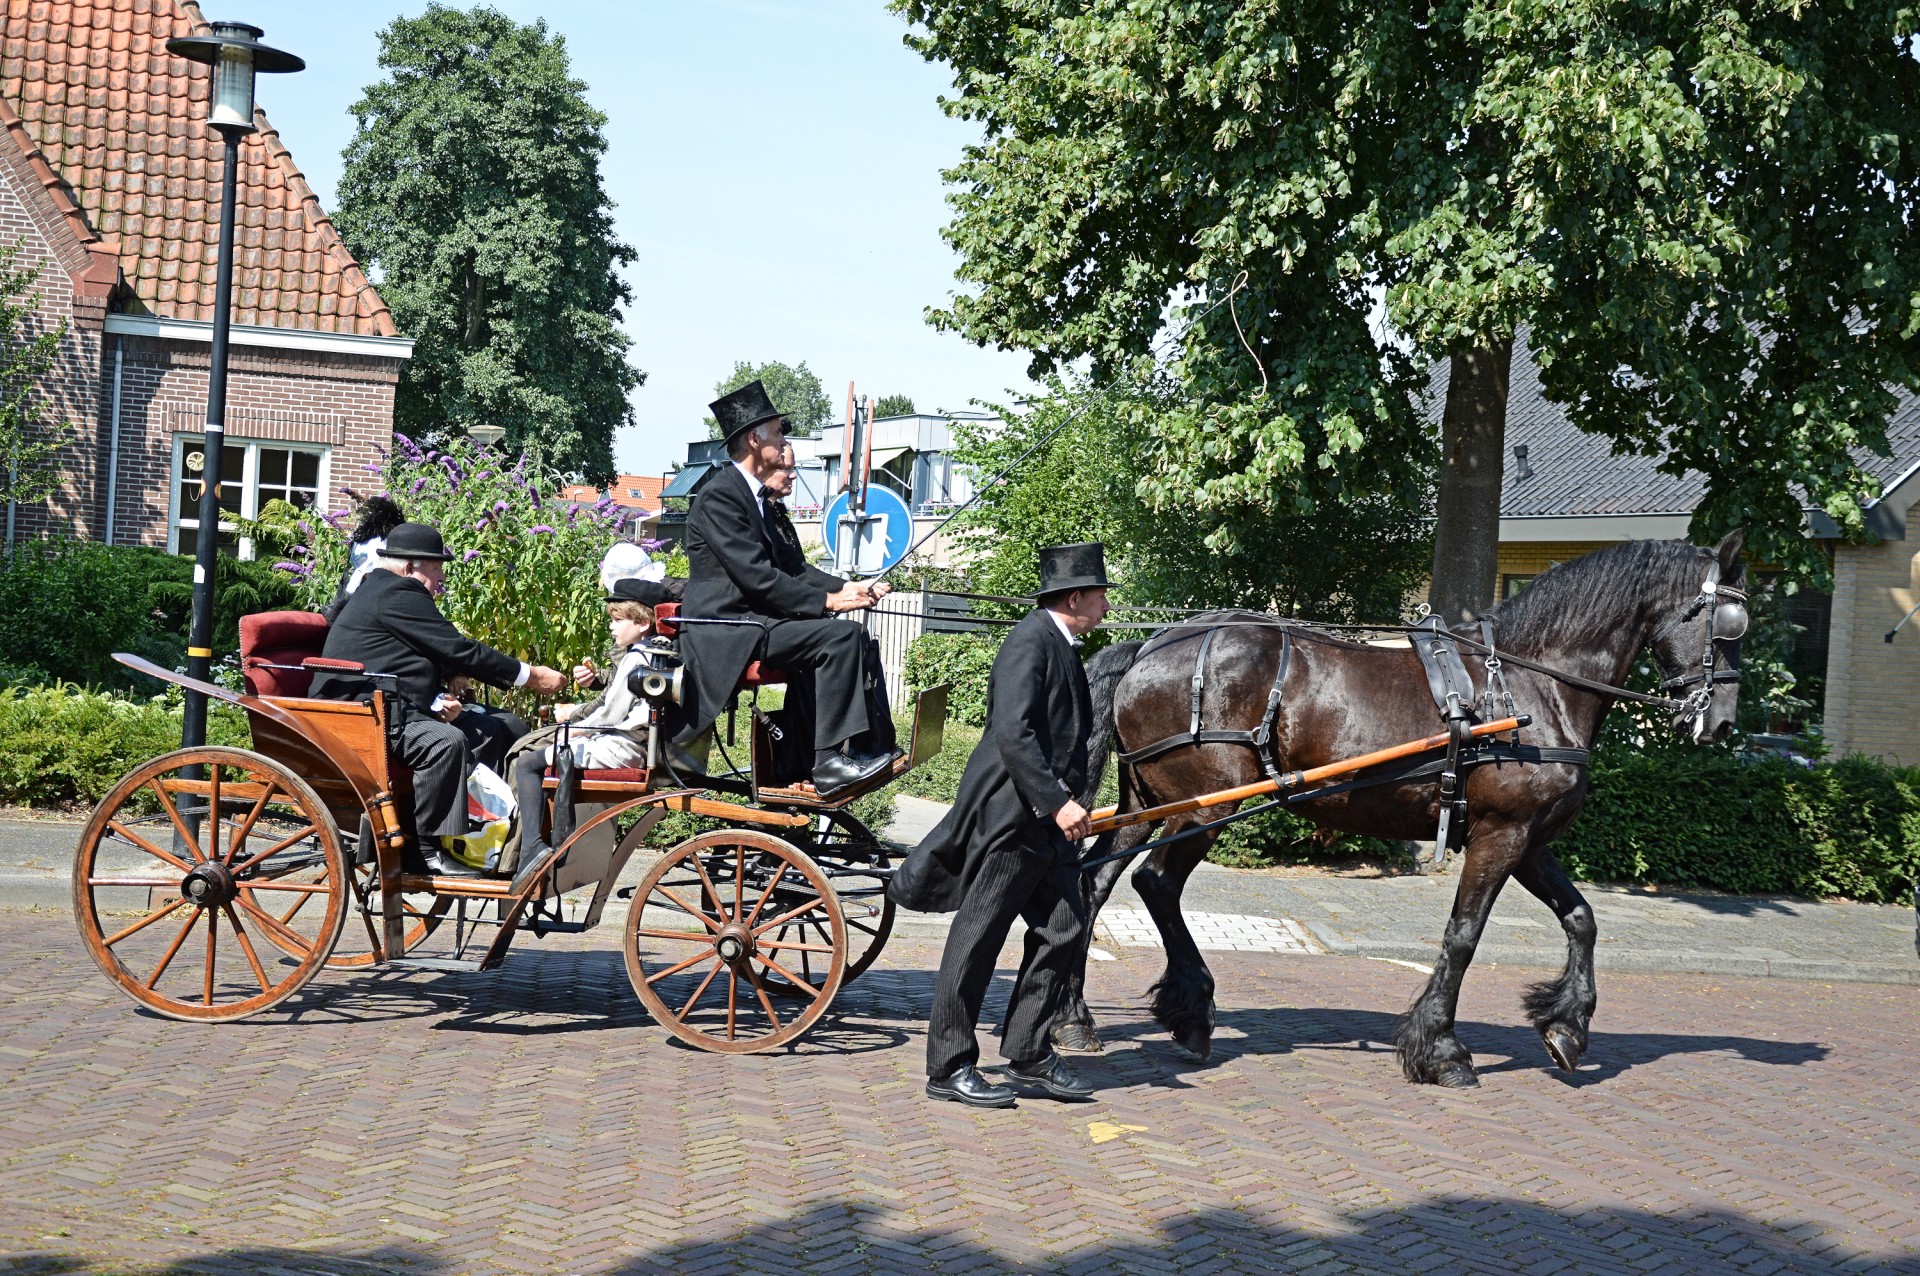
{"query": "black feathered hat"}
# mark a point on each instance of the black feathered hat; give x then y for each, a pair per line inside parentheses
(630, 589)
(1065, 568)
(742, 409)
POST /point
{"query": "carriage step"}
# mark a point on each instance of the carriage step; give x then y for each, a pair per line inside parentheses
(444, 965)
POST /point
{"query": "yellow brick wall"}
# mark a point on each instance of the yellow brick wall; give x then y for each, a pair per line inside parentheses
(1530, 558)
(1873, 687)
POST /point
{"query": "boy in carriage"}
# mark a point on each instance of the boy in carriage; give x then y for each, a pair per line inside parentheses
(607, 732)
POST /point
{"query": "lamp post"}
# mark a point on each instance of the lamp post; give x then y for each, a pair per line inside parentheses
(234, 51)
(486, 435)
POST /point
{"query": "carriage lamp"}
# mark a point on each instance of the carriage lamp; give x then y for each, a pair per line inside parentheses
(234, 51)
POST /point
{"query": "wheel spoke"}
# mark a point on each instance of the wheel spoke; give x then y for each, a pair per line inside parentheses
(719, 905)
(687, 1009)
(305, 888)
(167, 959)
(692, 937)
(171, 882)
(273, 923)
(276, 848)
(677, 967)
(246, 946)
(789, 977)
(710, 923)
(739, 879)
(733, 998)
(245, 829)
(213, 844)
(787, 916)
(180, 825)
(797, 948)
(213, 938)
(766, 1002)
(141, 842)
(766, 895)
(141, 925)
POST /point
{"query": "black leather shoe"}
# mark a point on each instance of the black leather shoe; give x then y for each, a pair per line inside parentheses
(441, 864)
(969, 1087)
(840, 772)
(1052, 1074)
(532, 860)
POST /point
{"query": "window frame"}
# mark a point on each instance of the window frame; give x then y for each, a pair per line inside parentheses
(249, 484)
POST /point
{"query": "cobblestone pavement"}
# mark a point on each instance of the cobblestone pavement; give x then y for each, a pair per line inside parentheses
(533, 1120)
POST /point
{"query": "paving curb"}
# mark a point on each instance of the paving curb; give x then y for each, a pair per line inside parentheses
(1667, 961)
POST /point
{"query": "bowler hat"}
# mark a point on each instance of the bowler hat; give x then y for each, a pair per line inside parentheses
(742, 409)
(1064, 568)
(631, 589)
(415, 540)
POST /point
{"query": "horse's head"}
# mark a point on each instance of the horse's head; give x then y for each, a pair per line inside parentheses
(1697, 645)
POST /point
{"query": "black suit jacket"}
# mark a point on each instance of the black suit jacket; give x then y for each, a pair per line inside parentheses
(391, 625)
(742, 571)
(1031, 760)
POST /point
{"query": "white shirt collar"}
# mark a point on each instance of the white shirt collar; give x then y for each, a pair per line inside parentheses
(753, 485)
(1064, 631)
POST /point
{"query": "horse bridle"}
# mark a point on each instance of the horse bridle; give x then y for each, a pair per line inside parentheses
(1727, 621)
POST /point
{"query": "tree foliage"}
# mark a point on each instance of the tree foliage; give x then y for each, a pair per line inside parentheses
(1697, 210)
(793, 388)
(29, 443)
(472, 187)
(893, 405)
(1356, 559)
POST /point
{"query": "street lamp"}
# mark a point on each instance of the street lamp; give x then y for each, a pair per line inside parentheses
(486, 435)
(234, 51)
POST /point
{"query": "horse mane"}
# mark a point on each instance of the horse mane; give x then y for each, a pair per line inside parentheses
(1586, 594)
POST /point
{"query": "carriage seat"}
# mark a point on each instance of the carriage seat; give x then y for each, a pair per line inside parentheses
(271, 638)
(758, 673)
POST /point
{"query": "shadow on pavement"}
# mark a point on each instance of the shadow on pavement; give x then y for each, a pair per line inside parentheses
(1437, 1234)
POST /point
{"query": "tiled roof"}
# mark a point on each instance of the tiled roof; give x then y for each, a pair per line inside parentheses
(1576, 474)
(122, 123)
(633, 491)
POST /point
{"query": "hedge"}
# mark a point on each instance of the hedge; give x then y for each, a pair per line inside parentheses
(64, 746)
(963, 661)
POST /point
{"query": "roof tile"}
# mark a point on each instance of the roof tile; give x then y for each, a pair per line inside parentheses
(119, 120)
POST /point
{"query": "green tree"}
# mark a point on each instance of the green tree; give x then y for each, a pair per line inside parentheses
(472, 187)
(793, 388)
(30, 443)
(893, 405)
(1343, 560)
(1697, 211)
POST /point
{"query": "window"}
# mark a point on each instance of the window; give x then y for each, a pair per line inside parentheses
(252, 474)
(1511, 585)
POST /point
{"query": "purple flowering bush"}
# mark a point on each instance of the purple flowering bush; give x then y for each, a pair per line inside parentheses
(525, 574)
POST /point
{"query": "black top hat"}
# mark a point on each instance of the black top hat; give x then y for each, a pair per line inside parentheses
(415, 540)
(742, 409)
(629, 589)
(1064, 568)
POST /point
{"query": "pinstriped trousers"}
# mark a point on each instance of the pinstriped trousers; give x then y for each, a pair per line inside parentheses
(1012, 882)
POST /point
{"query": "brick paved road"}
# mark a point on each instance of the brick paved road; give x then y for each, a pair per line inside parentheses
(535, 1121)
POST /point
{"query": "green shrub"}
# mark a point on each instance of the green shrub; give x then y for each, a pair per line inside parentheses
(1698, 817)
(62, 745)
(963, 661)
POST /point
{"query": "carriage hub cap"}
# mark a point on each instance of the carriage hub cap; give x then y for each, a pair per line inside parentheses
(209, 885)
(733, 943)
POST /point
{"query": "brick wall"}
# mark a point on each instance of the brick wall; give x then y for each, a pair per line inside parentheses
(70, 391)
(342, 401)
(1530, 558)
(1873, 687)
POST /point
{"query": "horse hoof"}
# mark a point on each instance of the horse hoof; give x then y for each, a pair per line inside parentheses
(1563, 1046)
(1456, 1076)
(1077, 1038)
(1194, 1049)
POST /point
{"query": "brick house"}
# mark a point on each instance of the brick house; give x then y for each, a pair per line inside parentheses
(110, 184)
(1564, 494)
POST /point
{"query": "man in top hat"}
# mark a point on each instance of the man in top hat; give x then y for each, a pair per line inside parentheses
(391, 626)
(752, 596)
(1009, 846)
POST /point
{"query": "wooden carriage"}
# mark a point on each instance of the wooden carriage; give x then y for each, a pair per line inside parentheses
(214, 883)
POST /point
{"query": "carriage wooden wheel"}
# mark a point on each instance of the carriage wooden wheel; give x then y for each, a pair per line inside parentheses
(191, 864)
(359, 938)
(859, 865)
(703, 944)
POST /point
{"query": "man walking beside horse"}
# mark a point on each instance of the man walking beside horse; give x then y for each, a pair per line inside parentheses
(1009, 847)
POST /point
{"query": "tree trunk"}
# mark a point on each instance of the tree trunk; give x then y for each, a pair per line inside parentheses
(1473, 436)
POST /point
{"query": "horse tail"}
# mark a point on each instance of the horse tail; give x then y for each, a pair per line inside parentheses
(1104, 672)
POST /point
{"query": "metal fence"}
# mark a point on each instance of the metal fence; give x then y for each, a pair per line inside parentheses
(902, 618)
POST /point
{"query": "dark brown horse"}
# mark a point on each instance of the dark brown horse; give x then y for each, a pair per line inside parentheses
(1337, 699)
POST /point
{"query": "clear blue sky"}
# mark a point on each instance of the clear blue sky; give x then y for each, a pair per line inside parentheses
(776, 165)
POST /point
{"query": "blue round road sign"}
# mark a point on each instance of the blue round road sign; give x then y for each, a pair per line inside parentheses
(879, 541)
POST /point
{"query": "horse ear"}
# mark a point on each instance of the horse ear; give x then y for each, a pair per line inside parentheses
(1728, 552)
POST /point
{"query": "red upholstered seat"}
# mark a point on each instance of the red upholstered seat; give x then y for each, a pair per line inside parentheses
(757, 674)
(279, 638)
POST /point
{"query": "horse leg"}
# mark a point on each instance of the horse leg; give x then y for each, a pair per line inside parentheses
(1428, 1051)
(1182, 999)
(1561, 1008)
(1074, 1029)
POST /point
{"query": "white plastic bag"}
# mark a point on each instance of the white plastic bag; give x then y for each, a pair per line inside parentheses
(489, 809)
